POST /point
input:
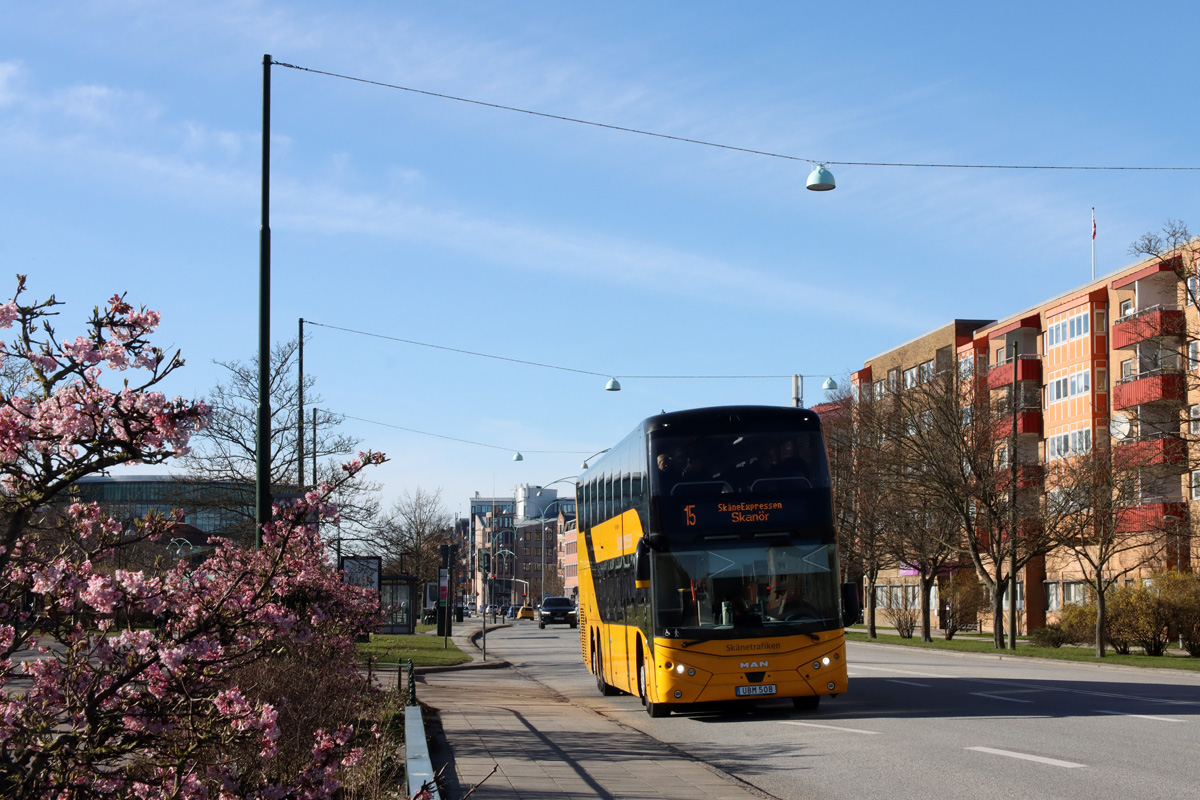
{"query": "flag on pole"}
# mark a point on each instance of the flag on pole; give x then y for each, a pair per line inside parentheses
(1093, 223)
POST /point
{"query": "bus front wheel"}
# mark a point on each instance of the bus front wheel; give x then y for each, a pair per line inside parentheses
(654, 709)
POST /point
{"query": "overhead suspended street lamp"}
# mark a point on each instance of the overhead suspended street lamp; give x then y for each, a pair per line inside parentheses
(820, 180)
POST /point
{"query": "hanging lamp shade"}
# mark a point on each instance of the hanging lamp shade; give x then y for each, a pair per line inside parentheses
(612, 386)
(829, 385)
(518, 457)
(821, 179)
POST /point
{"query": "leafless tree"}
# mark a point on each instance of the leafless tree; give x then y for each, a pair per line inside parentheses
(955, 448)
(411, 534)
(854, 436)
(1092, 510)
(222, 466)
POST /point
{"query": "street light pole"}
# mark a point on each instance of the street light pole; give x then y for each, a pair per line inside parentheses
(262, 493)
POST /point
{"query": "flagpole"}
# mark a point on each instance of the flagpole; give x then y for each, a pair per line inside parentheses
(1093, 243)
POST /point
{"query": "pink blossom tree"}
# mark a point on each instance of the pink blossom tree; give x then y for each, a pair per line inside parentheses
(92, 703)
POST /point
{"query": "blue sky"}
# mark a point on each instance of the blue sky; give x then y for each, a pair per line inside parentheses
(129, 161)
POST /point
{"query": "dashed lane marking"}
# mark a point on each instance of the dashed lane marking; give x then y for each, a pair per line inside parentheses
(1139, 716)
(1000, 697)
(828, 727)
(1054, 762)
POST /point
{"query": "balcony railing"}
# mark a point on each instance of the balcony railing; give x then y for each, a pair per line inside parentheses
(1029, 420)
(1149, 323)
(1162, 385)
(1029, 368)
(1154, 517)
(1028, 476)
(1159, 449)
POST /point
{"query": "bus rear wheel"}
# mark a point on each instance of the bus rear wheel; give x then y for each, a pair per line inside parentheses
(603, 686)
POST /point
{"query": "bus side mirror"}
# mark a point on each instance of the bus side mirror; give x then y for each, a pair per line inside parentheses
(641, 565)
(851, 607)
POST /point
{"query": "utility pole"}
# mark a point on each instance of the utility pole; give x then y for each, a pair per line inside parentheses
(1012, 515)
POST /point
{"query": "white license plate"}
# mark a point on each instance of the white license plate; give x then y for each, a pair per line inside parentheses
(757, 689)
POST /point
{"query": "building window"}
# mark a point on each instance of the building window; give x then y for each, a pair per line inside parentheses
(1195, 484)
(910, 377)
(1074, 593)
(1126, 308)
(1194, 419)
(926, 371)
(893, 379)
(1053, 596)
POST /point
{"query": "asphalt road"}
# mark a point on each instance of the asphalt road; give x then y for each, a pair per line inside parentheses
(924, 724)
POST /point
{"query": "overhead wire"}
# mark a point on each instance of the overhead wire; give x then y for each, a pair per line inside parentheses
(451, 438)
(308, 321)
(704, 143)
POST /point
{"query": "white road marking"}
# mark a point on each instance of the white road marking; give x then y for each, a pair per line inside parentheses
(1139, 716)
(1108, 695)
(829, 727)
(1054, 762)
(1001, 697)
(903, 671)
(908, 683)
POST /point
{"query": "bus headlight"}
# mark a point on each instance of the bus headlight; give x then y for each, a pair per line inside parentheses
(816, 665)
(825, 661)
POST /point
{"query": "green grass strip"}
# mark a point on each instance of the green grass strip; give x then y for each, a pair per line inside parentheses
(424, 650)
(983, 644)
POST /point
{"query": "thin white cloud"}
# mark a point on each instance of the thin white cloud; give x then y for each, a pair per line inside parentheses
(10, 72)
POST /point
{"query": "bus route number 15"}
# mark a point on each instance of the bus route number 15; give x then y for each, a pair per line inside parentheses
(690, 515)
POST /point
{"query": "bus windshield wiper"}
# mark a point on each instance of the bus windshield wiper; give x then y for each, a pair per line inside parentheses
(694, 641)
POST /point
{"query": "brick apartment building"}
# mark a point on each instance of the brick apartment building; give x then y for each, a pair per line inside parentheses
(1111, 365)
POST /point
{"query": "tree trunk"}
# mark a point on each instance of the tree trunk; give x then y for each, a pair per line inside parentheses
(926, 610)
(998, 614)
(870, 598)
(1101, 619)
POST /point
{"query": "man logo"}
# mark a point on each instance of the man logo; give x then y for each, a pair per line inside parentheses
(754, 664)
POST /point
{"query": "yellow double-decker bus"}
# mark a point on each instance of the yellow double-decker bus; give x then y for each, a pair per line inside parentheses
(708, 567)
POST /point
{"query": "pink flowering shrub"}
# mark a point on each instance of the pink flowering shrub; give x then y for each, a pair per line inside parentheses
(198, 707)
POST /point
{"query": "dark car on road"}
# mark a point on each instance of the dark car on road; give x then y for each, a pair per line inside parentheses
(557, 610)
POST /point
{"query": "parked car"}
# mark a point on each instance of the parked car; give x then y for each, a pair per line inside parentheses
(525, 612)
(557, 610)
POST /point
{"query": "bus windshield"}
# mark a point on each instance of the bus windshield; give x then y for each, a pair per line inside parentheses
(732, 462)
(746, 590)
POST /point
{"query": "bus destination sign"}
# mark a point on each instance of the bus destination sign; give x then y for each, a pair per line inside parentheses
(771, 513)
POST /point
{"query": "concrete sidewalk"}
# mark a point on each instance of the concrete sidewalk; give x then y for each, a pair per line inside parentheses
(492, 716)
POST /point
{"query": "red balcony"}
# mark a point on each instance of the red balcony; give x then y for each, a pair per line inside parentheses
(1154, 517)
(1149, 387)
(1029, 420)
(1029, 368)
(1152, 323)
(1157, 451)
(1028, 476)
